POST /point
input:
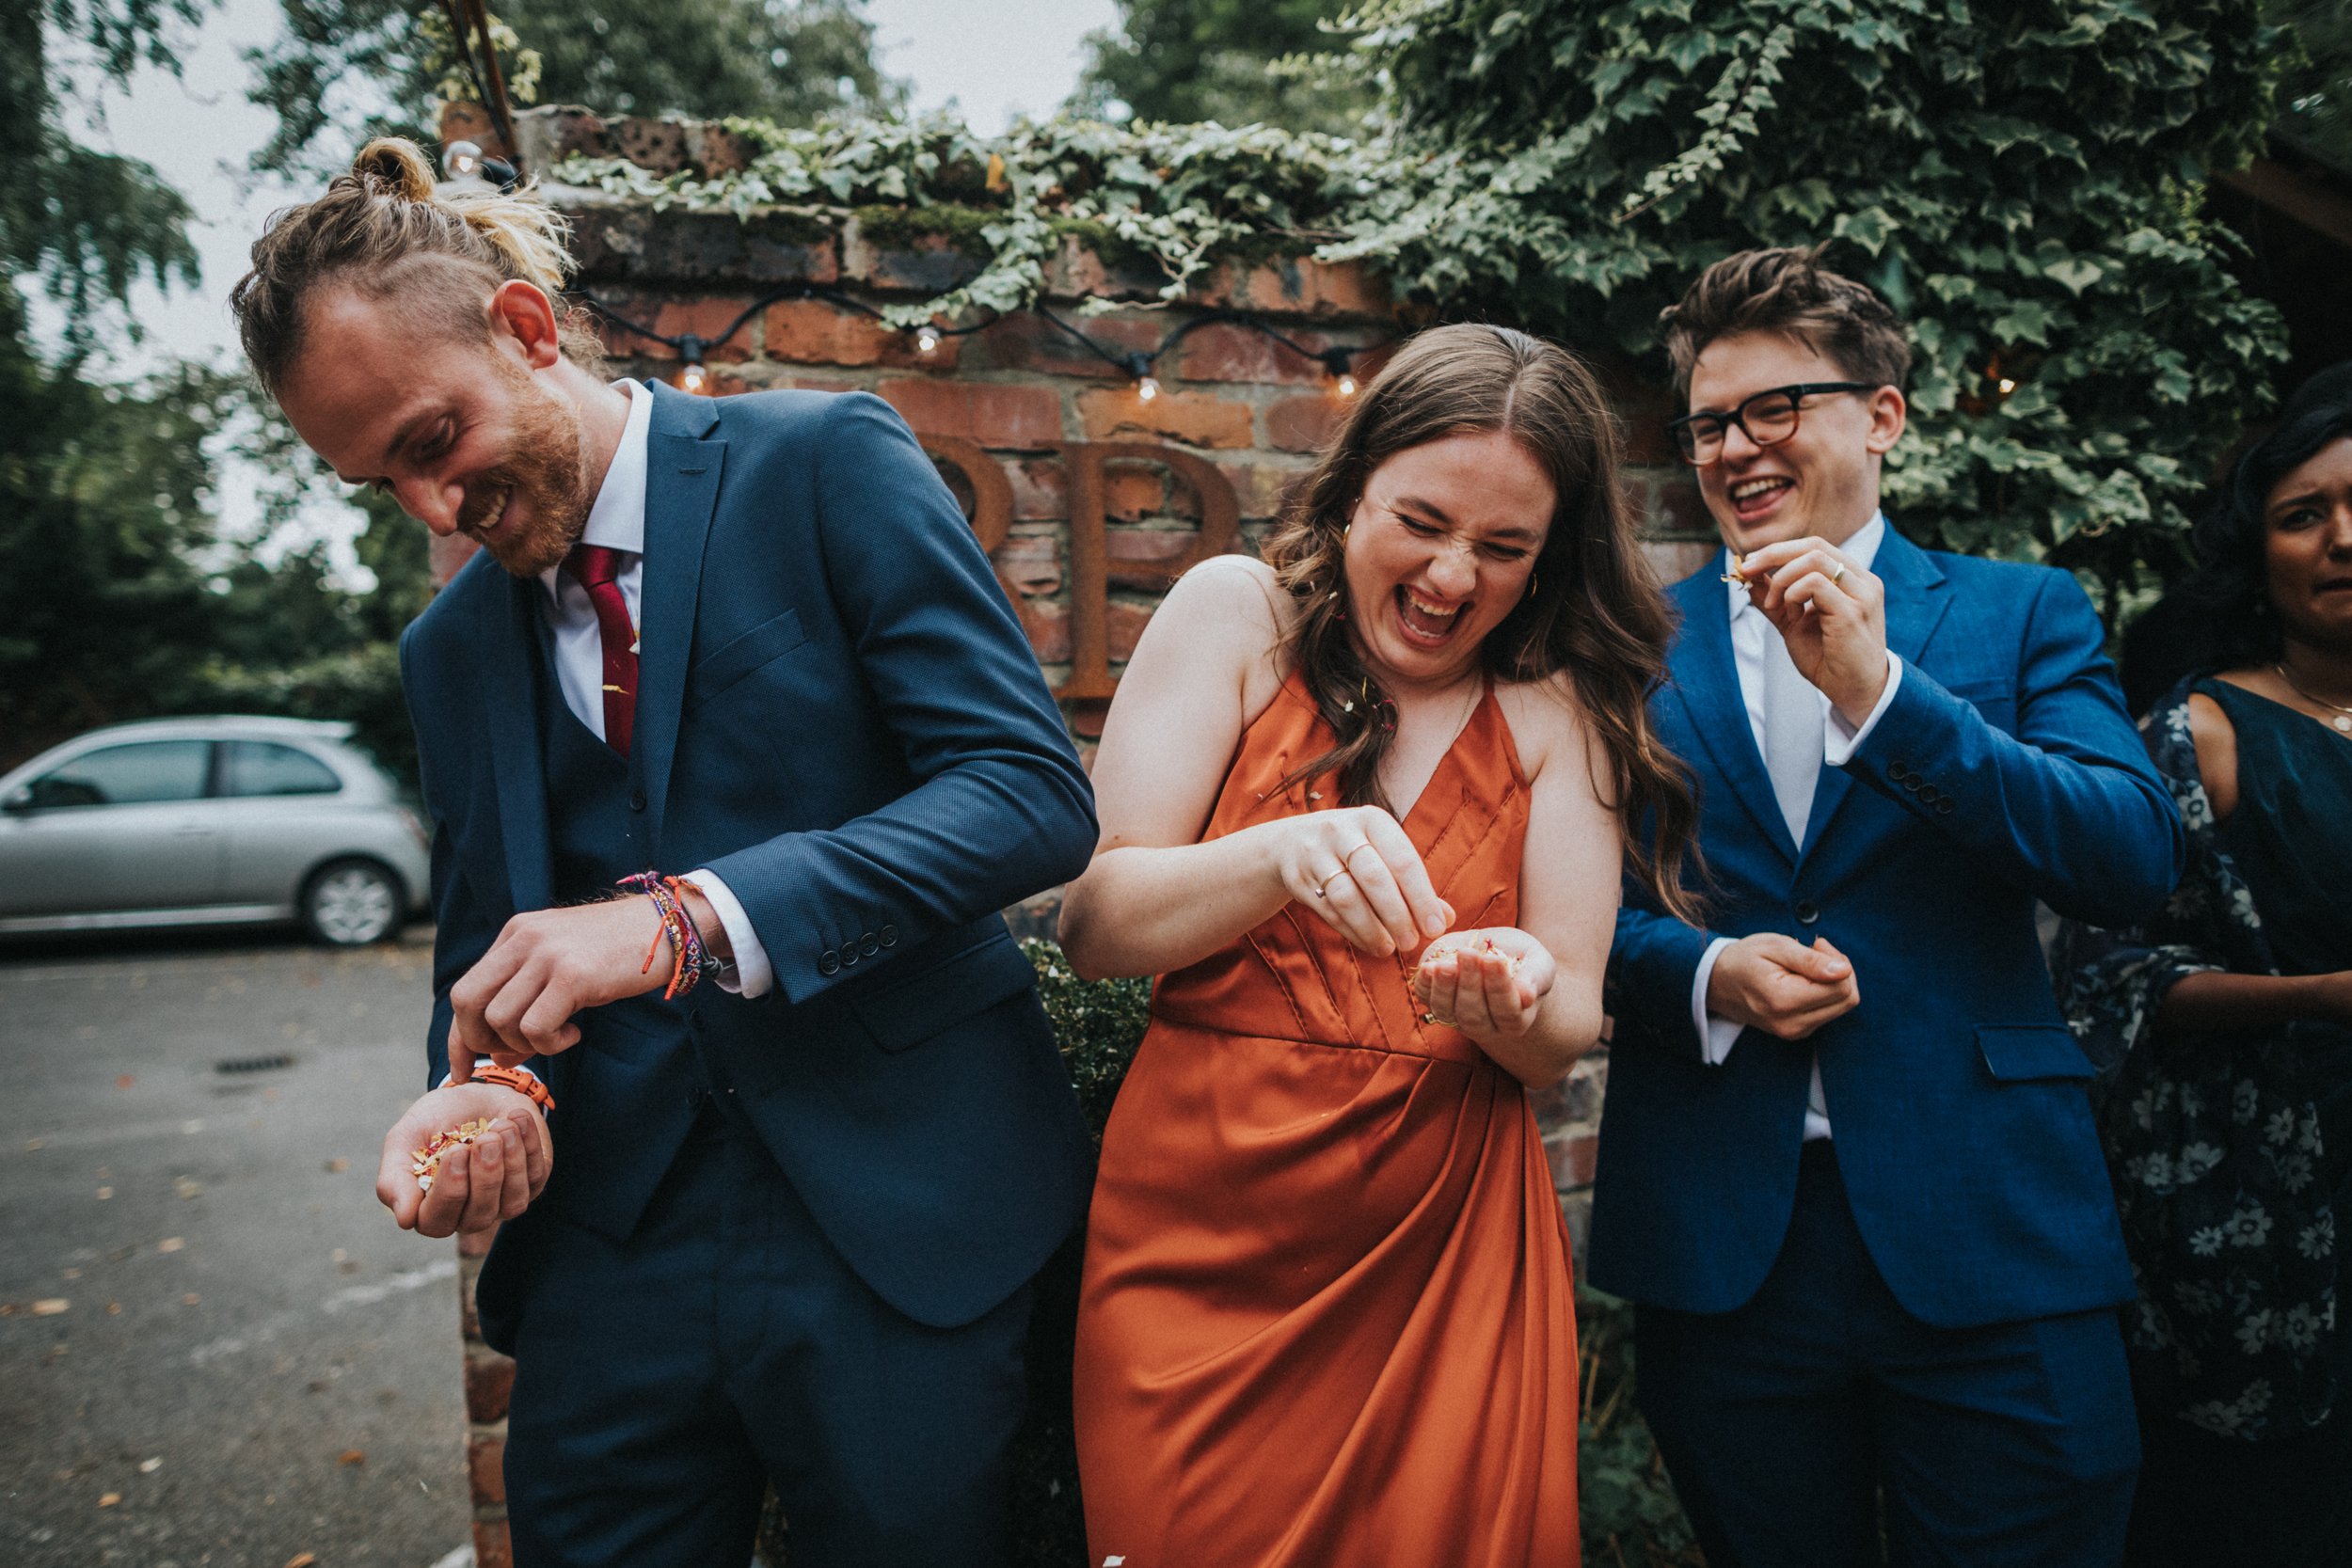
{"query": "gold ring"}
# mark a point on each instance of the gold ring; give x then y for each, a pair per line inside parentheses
(1328, 881)
(1840, 573)
(1359, 850)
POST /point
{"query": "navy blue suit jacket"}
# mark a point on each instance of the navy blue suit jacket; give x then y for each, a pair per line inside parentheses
(2004, 771)
(839, 715)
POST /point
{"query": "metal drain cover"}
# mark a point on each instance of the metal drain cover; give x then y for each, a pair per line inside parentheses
(253, 1064)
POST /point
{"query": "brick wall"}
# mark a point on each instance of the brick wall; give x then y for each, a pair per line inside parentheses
(1091, 497)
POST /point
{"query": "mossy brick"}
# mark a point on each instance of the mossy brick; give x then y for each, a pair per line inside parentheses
(486, 1468)
(1079, 269)
(820, 332)
(704, 316)
(1304, 423)
(1028, 342)
(493, 1547)
(615, 242)
(656, 145)
(1196, 418)
(1228, 351)
(1296, 286)
(489, 1383)
(991, 413)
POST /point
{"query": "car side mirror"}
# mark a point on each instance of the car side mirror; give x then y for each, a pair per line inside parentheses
(18, 800)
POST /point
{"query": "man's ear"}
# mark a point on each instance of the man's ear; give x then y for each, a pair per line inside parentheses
(1889, 413)
(521, 314)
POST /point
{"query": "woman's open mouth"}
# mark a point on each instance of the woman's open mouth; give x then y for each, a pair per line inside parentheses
(1426, 623)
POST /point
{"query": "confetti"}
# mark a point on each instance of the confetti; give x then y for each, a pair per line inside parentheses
(352, 1456)
(171, 1243)
(149, 1467)
(190, 1299)
(187, 1187)
(110, 1500)
(105, 1193)
(425, 1162)
(337, 1165)
(49, 1307)
(1736, 575)
(300, 1560)
(114, 1310)
(124, 1080)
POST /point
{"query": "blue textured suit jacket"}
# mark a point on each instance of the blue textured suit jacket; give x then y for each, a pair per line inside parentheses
(839, 715)
(2005, 771)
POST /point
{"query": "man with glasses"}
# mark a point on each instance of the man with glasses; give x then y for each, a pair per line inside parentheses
(1849, 1173)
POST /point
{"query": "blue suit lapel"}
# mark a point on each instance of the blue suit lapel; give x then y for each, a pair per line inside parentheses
(510, 638)
(1917, 598)
(1706, 679)
(682, 472)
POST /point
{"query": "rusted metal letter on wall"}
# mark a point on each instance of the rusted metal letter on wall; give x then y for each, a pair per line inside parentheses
(1083, 465)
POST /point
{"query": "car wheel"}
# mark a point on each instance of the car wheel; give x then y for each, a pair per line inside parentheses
(352, 903)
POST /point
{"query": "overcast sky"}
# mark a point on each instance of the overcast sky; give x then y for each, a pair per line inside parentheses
(198, 130)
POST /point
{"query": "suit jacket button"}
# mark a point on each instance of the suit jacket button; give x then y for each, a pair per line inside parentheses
(637, 800)
(870, 944)
(1911, 782)
(1807, 911)
(1897, 771)
(1930, 795)
(890, 936)
(829, 962)
(848, 955)
(1943, 807)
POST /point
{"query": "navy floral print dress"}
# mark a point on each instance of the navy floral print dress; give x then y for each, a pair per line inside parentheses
(2226, 1150)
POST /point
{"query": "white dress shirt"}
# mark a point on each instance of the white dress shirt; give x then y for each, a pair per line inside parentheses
(617, 521)
(1839, 741)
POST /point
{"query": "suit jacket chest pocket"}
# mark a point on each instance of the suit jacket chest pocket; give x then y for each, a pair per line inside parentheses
(740, 658)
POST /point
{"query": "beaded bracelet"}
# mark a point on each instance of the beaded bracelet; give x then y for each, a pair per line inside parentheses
(692, 960)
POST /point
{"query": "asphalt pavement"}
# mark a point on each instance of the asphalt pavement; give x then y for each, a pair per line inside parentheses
(214, 1346)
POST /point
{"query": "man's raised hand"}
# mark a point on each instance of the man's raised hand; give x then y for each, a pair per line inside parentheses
(494, 1178)
(1831, 612)
(546, 966)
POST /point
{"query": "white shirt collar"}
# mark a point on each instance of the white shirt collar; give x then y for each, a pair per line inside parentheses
(617, 519)
(1862, 550)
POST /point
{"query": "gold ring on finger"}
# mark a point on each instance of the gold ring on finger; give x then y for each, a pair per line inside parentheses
(1328, 881)
(1358, 851)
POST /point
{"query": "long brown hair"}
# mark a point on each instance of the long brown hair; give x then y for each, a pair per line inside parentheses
(387, 230)
(1595, 610)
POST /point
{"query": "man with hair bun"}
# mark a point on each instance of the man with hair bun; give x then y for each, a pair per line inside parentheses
(792, 1137)
(1849, 1173)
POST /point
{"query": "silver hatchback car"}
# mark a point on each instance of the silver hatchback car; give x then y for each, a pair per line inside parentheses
(208, 821)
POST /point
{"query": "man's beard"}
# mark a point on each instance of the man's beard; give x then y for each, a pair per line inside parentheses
(546, 475)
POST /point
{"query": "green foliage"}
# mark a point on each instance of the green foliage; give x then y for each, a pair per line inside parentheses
(1625, 1503)
(346, 70)
(1238, 62)
(82, 226)
(1098, 1024)
(1180, 195)
(2315, 93)
(2021, 181)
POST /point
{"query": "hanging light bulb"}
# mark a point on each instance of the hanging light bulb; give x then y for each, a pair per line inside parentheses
(461, 160)
(1147, 387)
(926, 340)
(693, 376)
(2008, 386)
(1347, 383)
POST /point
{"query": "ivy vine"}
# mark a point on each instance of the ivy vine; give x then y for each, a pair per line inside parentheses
(2021, 180)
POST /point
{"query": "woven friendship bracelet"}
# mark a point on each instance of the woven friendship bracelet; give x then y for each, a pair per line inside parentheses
(677, 927)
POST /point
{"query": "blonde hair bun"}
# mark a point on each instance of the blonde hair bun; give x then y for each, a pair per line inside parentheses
(394, 167)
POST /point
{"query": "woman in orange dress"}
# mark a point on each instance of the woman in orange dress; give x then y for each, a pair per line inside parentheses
(1327, 1317)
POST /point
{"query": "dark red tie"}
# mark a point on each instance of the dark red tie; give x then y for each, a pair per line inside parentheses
(598, 568)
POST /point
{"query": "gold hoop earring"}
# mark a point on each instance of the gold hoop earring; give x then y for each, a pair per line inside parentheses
(1531, 585)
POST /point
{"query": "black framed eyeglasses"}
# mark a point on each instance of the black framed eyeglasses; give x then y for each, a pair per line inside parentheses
(1766, 418)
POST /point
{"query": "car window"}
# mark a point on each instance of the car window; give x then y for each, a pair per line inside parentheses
(265, 768)
(145, 770)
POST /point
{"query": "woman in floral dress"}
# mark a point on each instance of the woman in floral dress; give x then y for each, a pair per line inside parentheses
(2229, 1117)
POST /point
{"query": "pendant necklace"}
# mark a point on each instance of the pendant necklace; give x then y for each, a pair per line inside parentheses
(2342, 719)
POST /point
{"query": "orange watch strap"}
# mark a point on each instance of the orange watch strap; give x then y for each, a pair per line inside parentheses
(520, 1082)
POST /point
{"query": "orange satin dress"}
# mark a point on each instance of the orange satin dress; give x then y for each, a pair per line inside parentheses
(1326, 1319)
